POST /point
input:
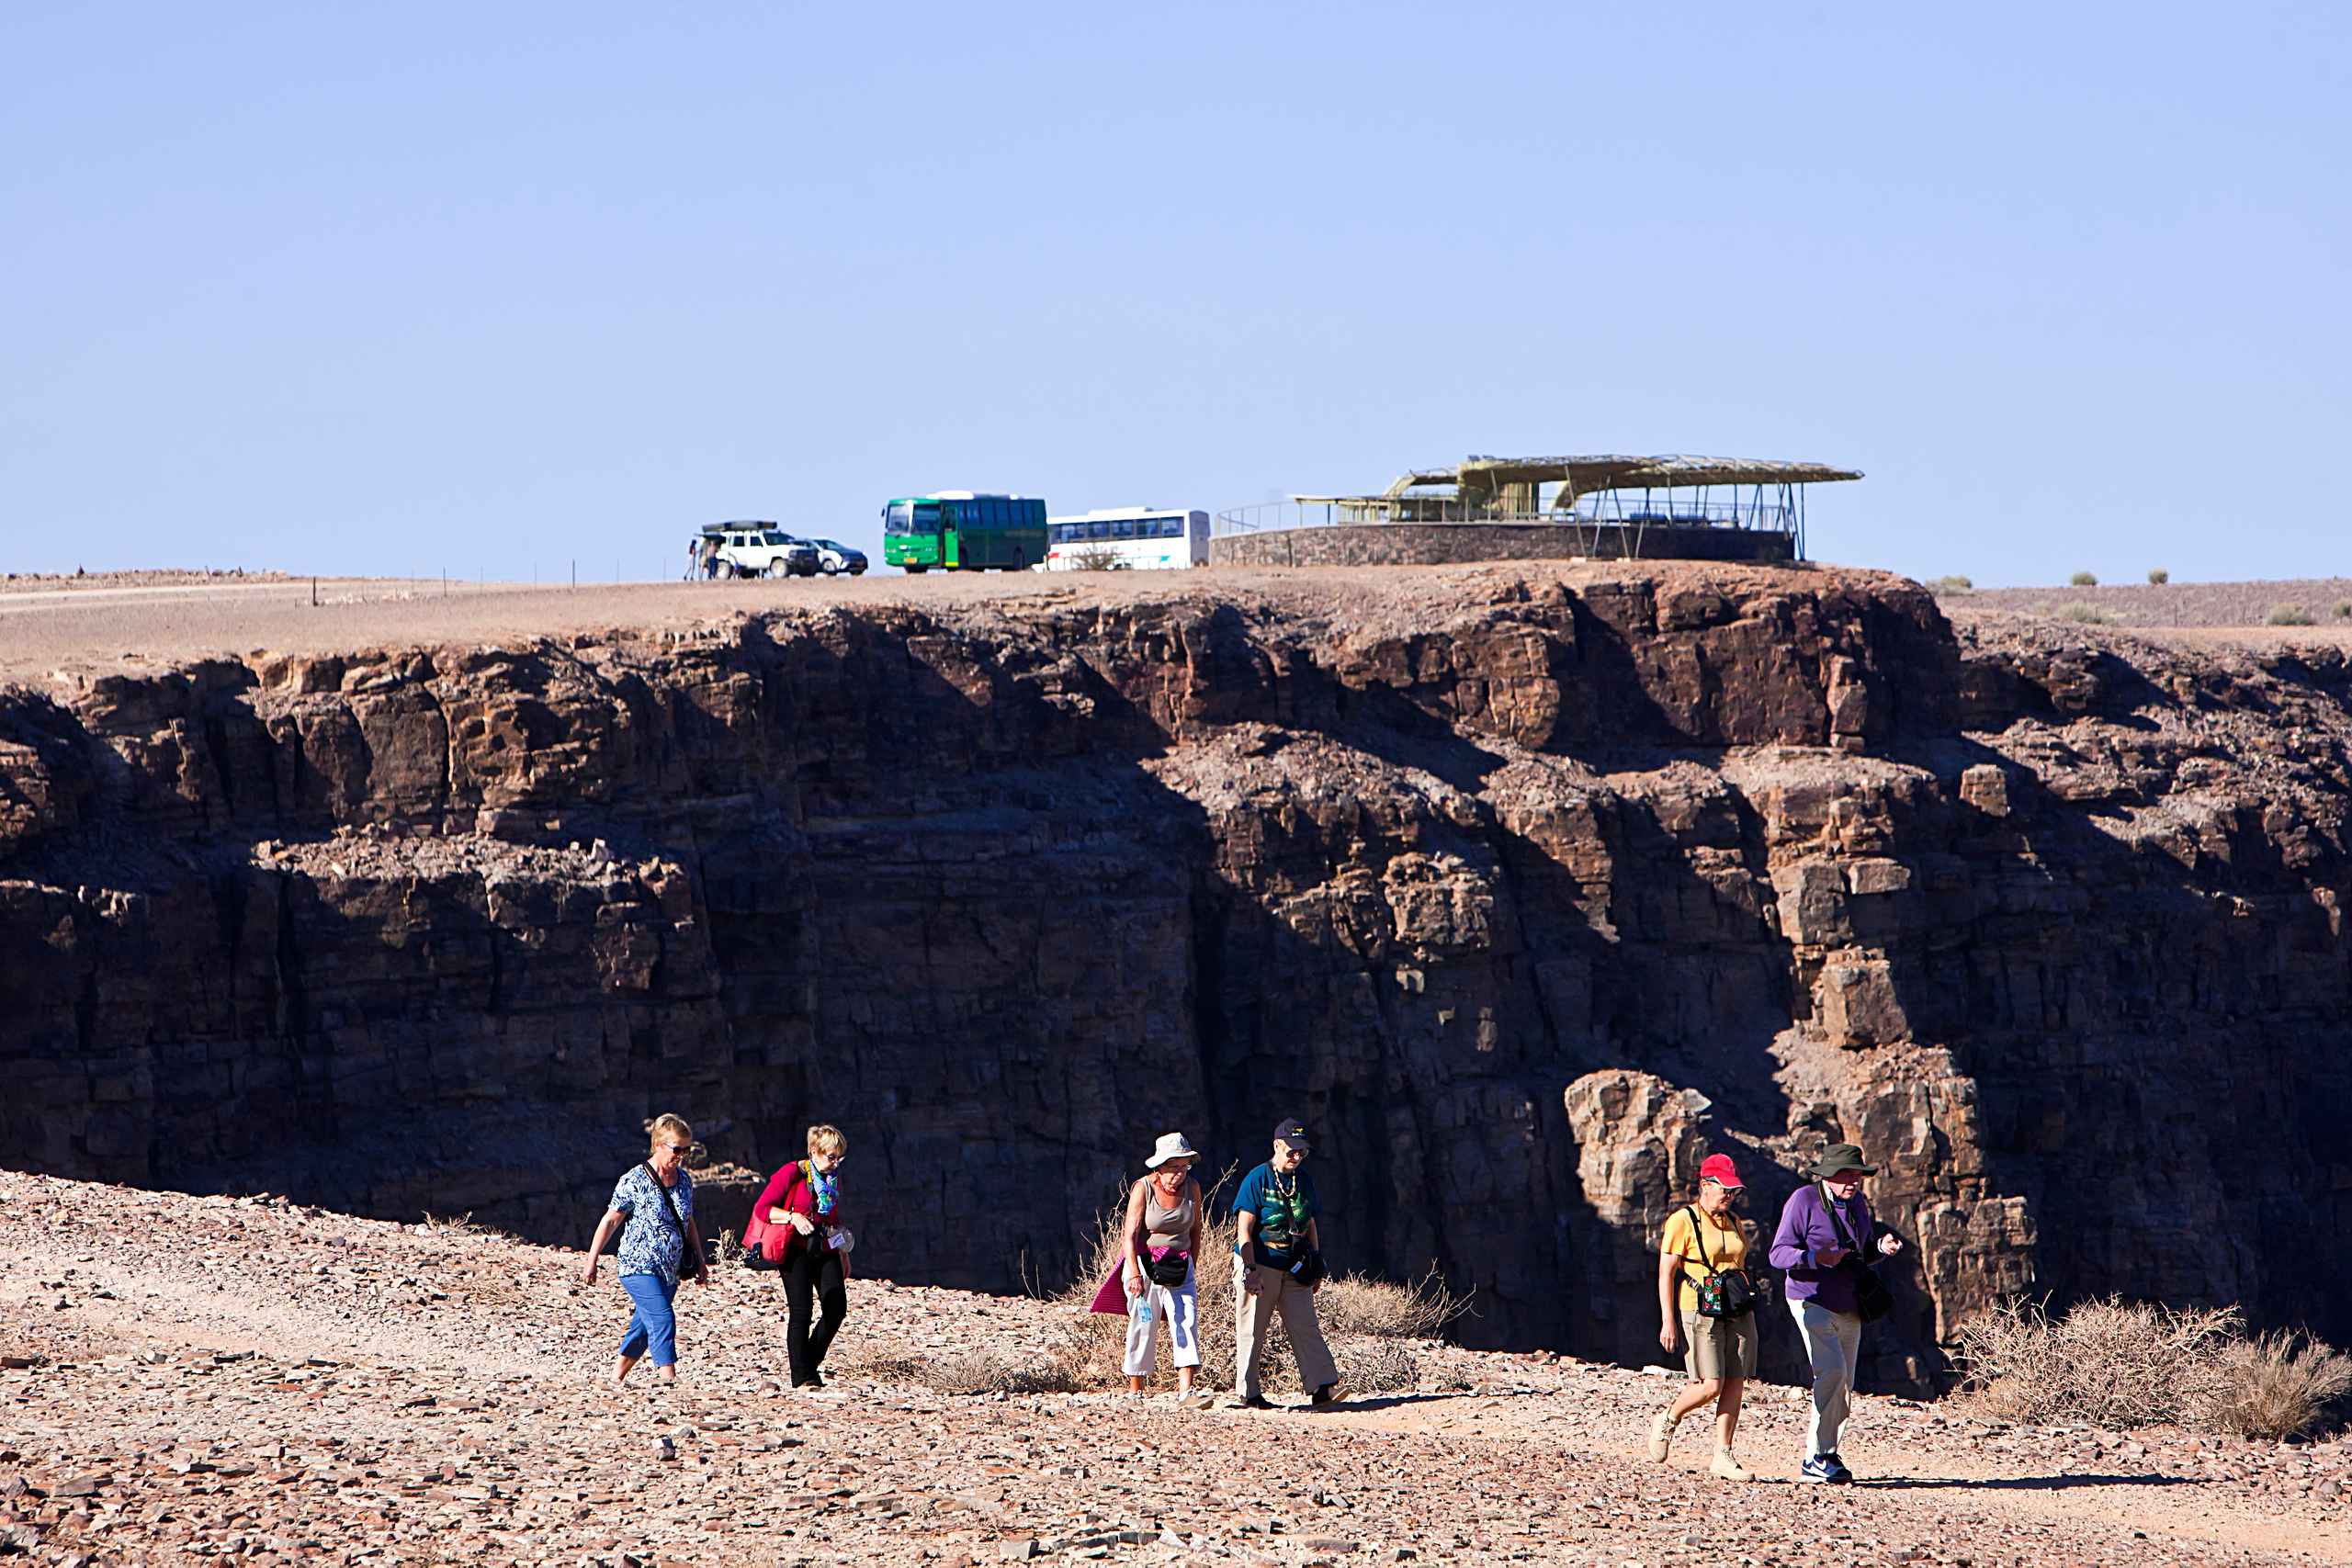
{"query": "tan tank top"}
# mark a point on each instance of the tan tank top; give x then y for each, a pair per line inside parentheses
(1168, 1227)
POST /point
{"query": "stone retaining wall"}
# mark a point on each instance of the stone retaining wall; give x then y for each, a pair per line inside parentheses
(1432, 544)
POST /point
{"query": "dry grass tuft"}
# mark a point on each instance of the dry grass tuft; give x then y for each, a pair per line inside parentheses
(2278, 1385)
(454, 1225)
(2120, 1365)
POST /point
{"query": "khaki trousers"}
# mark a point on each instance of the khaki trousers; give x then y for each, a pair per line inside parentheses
(1253, 1322)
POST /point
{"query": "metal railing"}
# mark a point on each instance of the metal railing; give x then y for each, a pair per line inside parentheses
(1605, 509)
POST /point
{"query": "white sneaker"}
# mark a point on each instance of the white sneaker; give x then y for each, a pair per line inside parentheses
(1661, 1435)
(1727, 1468)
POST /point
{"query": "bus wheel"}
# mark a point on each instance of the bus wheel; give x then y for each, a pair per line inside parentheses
(917, 568)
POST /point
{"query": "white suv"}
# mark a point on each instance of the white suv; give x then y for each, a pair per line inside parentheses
(760, 550)
(833, 558)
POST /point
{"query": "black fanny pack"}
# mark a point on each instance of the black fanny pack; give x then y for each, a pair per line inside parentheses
(1725, 1292)
(1169, 1268)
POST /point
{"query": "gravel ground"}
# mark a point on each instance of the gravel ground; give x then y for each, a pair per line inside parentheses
(2182, 604)
(237, 1380)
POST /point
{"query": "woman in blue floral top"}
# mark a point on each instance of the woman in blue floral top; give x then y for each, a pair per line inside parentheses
(653, 1207)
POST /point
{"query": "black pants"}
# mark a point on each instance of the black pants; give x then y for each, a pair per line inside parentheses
(813, 1269)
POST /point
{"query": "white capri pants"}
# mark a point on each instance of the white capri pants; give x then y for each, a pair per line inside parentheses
(1176, 1306)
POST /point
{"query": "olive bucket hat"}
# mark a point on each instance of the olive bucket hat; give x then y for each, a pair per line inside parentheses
(1840, 1158)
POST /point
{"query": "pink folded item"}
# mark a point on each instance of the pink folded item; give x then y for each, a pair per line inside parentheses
(1112, 1296)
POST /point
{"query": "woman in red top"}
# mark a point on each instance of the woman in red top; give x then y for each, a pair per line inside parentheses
(797, 1221)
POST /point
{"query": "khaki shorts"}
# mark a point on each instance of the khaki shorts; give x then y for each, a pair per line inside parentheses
(1718, 1346)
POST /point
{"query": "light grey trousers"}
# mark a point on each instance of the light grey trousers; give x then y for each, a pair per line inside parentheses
(1833, 1342)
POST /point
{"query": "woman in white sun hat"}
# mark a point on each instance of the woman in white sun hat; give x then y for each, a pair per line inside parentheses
(1159, 1242)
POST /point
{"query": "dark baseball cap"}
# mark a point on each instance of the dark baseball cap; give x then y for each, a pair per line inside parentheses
(1294, 1132)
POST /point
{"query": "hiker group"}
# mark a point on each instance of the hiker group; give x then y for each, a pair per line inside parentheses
(1709, 1299)
(1709, 1295)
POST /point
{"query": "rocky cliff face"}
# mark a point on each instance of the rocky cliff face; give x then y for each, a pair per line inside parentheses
(1527, 887)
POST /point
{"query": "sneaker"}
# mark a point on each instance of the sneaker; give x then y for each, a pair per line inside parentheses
(1661, 1436)
(1725, 1468)
(1837, 1470)
(1816, 1468)
(1253, 1402)
(1325, 1396)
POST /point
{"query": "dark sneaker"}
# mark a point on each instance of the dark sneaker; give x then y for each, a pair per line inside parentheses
(1326, 1396)
(1838, 1474)
(1254, 1401)
(1816, 1468)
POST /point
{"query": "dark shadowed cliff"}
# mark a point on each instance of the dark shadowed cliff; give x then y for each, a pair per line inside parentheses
(1527, 887)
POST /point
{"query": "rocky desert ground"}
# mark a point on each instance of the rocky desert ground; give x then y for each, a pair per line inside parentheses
(242, 1380)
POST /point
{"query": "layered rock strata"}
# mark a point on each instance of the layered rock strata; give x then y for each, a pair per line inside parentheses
(1526, 886)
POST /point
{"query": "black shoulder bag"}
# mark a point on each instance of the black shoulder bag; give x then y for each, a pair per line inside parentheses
(1873, 1300)
(1725, 1292)
(689, 1261)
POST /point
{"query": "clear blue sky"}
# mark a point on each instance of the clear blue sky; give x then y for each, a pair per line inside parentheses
(404, 288)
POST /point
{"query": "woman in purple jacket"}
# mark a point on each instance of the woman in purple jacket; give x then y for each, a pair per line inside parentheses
(1827, 1234)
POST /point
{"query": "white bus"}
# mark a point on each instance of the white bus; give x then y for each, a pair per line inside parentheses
(1139, 537)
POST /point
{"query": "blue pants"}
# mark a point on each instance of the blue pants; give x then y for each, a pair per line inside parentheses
(653, 1324)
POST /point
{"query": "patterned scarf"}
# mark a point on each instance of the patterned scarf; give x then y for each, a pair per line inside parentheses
(825, 1187)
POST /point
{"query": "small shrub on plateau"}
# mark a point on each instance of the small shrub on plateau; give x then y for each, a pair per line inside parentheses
(2084, 579)
(2287, 616)
(2158, 575)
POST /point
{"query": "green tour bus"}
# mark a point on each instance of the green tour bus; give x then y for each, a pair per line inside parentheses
(958, 531)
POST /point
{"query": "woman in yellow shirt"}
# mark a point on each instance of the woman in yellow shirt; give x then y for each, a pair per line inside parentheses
(1718, 1352)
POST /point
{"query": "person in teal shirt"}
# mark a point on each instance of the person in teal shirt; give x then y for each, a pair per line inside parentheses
(1277, 1266)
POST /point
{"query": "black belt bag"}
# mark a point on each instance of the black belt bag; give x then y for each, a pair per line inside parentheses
(1171, 1269)
(1725, 1292)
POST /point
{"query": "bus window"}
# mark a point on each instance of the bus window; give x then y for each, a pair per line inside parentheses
(1122, 529)
(926, 517)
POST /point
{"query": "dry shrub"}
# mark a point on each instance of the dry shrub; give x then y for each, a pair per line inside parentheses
(2278, 1385)
(2285, 615)
(1052, 1371)
(1375, 1366)
(2116, 1364)
(1353, 1303)
(2106, 1362)
(2085, 615)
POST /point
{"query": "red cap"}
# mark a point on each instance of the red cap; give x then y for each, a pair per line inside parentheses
(1718, 1168)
